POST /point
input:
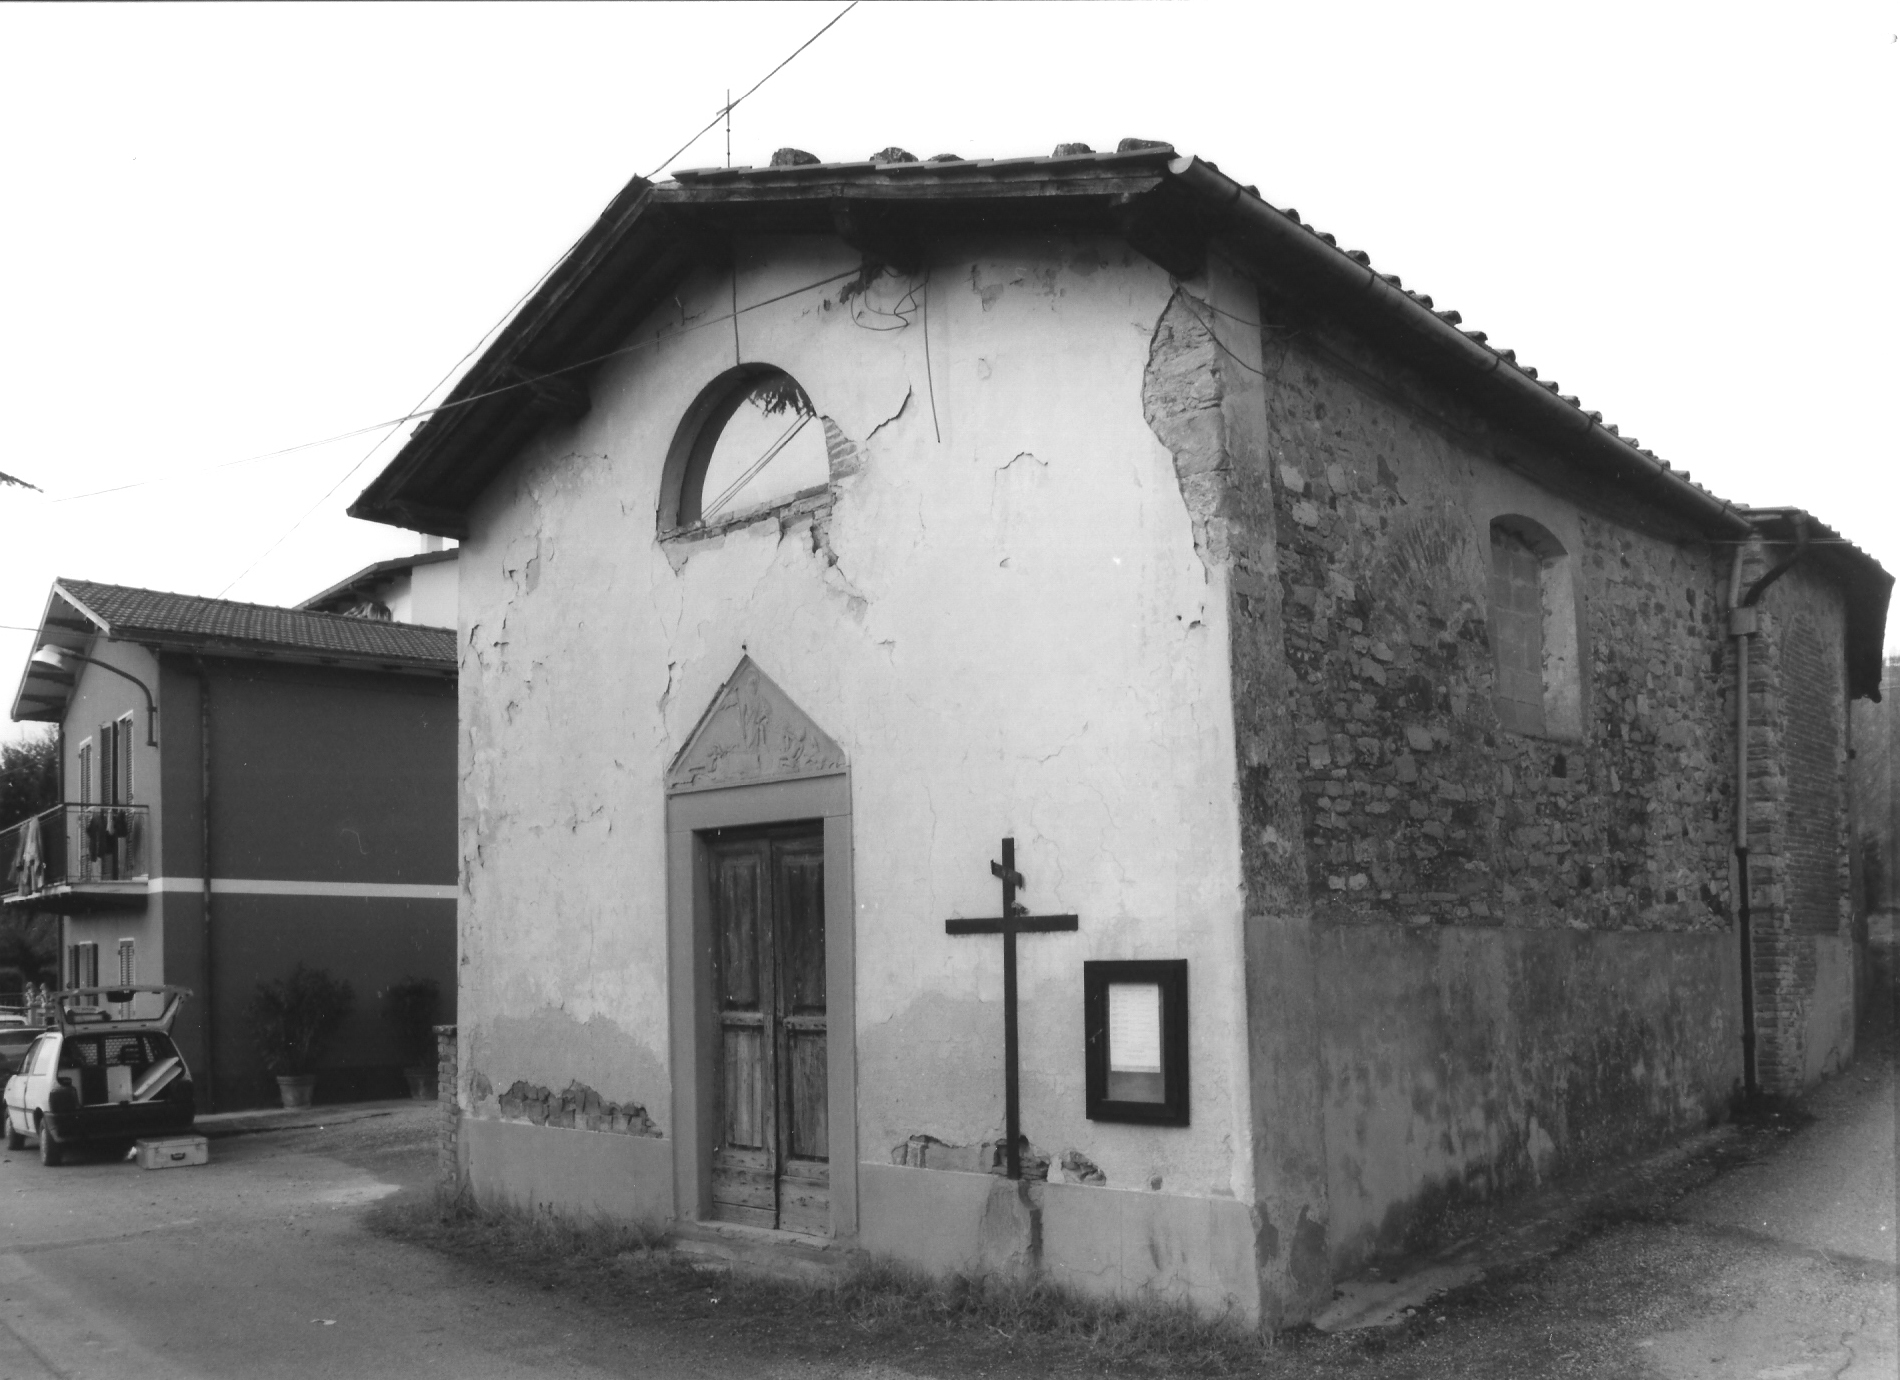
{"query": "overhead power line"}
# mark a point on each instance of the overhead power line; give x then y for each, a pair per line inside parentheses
(725, 111)
(426, 412)
(510, 387)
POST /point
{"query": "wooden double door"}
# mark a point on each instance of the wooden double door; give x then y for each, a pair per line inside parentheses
(771, 1158)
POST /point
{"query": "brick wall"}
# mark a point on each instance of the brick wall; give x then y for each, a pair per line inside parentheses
(1812, 746)
(448, 1172)
(1875, 785)
(1797, 821)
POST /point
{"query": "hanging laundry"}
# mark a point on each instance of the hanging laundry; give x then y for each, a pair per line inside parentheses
(98, 836)
(28, 868)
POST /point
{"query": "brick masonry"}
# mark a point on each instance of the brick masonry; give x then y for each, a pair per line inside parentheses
(1797, 824)
(448, 1163)
(1875, 792)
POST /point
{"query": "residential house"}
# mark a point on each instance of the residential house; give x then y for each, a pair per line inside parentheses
(244, 788)
(825, 524)
(406, 589)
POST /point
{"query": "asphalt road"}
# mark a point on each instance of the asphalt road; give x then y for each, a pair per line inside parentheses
(256, 1266)
(1805, 1287)
(259, 1265)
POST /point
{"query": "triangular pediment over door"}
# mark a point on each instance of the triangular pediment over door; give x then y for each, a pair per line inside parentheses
(752, 733)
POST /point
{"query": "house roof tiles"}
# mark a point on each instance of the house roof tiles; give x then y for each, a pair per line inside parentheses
(80, 611)
(125, 613)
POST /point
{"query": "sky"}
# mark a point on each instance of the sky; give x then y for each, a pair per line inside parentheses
(228, 232)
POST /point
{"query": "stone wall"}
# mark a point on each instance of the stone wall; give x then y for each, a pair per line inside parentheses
(1203, 397)
(1418, 807)
(1523, 954)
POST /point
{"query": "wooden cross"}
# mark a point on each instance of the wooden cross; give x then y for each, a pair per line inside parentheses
(1013, 921)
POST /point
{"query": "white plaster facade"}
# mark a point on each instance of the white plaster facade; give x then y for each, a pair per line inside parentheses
(1008, 631)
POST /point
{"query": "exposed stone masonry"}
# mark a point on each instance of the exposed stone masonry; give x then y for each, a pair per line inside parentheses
(1418, 807)
(577, 1107)
(987, 1157)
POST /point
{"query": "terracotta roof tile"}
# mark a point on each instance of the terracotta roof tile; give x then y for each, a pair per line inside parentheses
(141, 614)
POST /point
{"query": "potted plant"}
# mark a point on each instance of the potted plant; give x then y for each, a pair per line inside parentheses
(411, 1007)
(293, 1019)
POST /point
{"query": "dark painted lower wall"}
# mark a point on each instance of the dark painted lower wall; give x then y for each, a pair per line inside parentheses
(1464, 1063)
(369, 943)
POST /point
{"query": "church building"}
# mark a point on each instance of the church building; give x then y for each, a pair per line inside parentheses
(1039, 716)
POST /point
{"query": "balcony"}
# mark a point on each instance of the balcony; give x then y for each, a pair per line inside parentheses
(76, 857)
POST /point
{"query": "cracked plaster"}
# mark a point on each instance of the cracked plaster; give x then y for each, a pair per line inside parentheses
(934, 659)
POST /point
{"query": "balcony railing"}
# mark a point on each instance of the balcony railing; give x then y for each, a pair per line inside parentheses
(73, 846)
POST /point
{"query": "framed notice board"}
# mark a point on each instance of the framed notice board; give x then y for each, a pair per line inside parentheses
(1135, 1019)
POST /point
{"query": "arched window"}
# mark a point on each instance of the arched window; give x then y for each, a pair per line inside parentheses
(1533, 616)
(751, 439)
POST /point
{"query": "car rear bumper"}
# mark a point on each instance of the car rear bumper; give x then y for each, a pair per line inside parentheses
(121, 1121)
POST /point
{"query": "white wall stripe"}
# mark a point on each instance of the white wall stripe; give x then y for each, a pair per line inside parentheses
(250, 886)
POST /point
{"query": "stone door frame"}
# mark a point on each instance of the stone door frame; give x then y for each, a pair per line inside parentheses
(690, 815)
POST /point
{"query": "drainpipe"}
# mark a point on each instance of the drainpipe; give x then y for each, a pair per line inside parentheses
(1744, 621)
(1741, 627)
(59, 959)
(204, 859)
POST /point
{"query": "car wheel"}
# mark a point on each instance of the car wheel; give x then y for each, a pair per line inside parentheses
(15, 1141)
(51, 1151)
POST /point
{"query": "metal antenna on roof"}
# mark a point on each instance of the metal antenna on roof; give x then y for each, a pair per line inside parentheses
(728, 126)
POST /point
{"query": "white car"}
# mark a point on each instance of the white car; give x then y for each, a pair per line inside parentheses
(105, 1073)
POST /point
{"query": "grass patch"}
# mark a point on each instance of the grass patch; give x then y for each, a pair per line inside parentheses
(875, 1309)
(886, 1300)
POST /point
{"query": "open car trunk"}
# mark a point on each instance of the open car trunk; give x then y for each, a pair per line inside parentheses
(118, 1043)
(115, 1010)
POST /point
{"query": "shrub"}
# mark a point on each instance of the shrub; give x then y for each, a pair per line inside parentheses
(294, 1018)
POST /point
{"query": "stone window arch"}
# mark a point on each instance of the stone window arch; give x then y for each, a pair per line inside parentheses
(750, 441)
(1533, 623)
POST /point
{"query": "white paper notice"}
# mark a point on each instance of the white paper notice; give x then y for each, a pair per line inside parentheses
(1134, 1027)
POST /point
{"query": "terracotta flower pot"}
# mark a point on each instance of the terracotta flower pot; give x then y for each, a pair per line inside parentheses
(295, 1088)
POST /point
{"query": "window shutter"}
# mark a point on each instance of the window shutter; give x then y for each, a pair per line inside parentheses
(106, 736)
(122, 761)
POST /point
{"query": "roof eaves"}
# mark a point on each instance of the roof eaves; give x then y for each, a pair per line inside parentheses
(1866, 588)
(269, 649)
(59, 683)
(176, 633)
(1343, 273)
